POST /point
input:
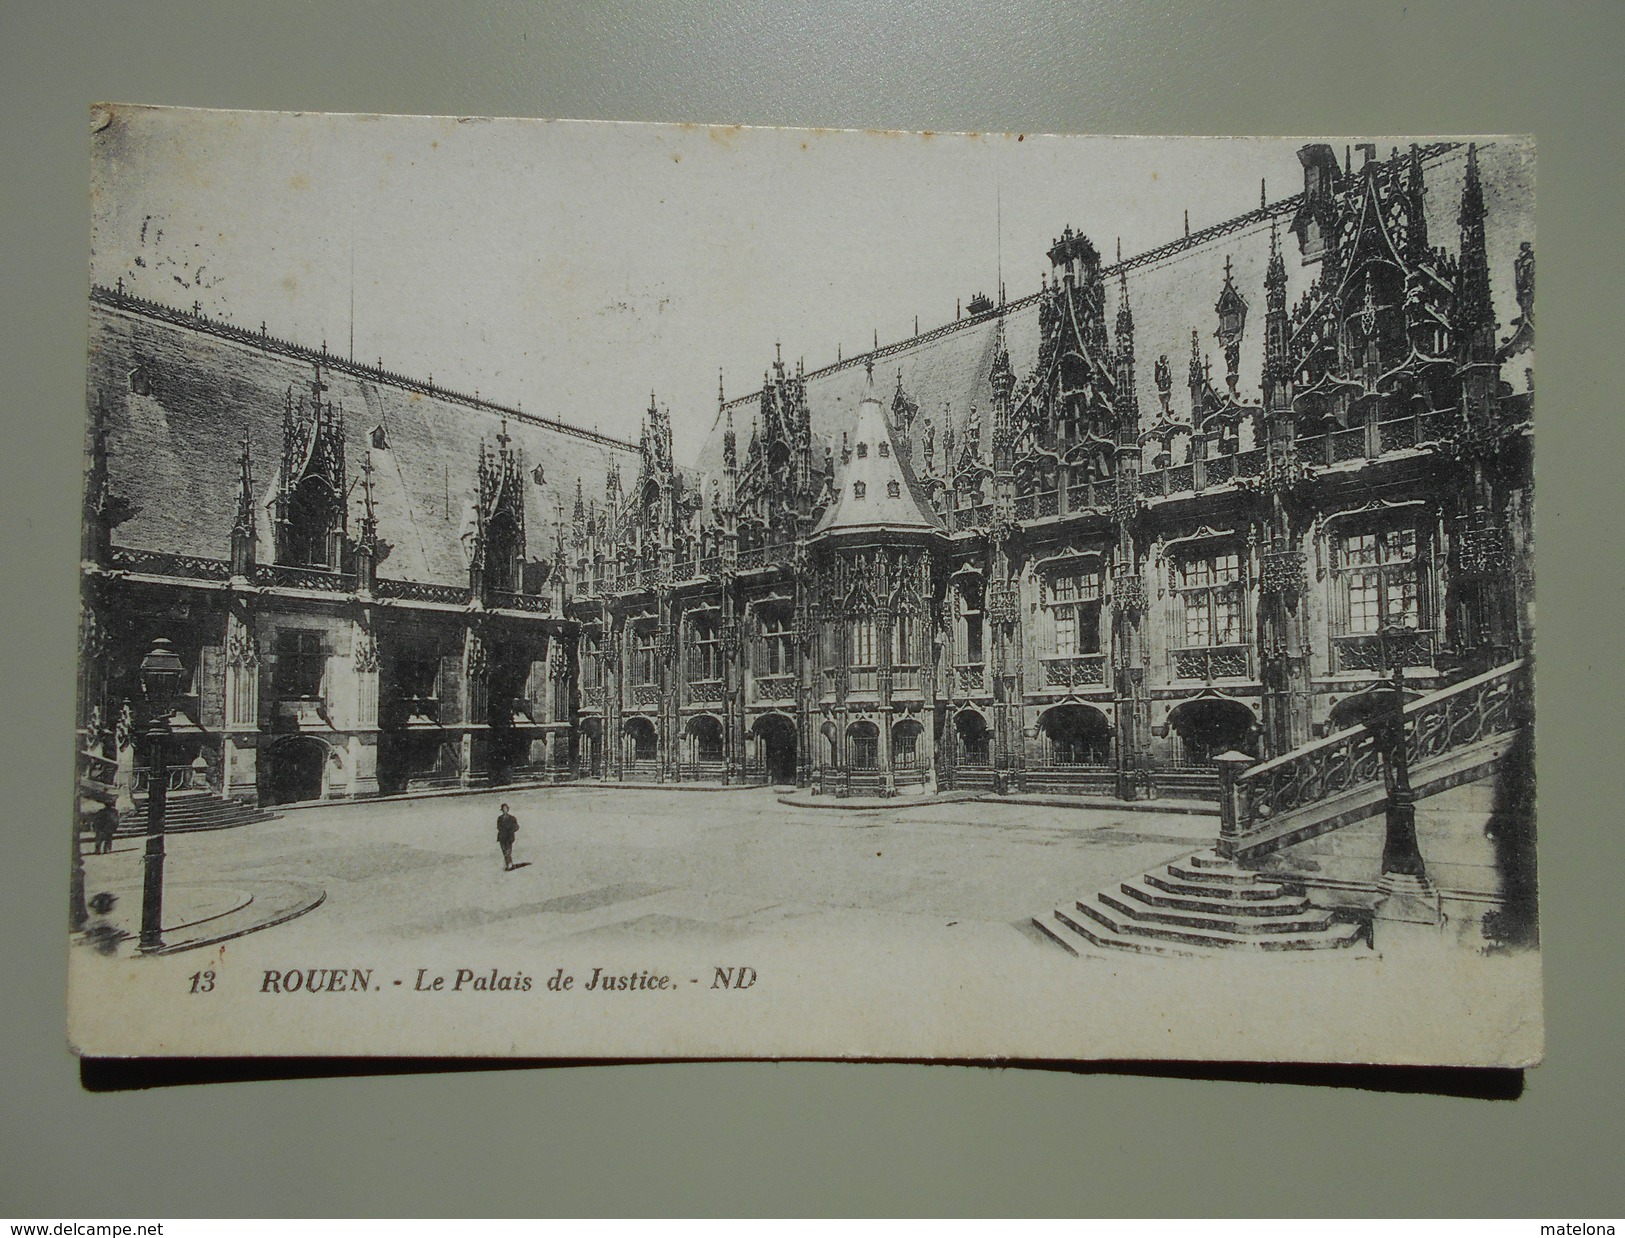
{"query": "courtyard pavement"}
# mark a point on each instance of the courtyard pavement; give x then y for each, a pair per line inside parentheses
(623, 866)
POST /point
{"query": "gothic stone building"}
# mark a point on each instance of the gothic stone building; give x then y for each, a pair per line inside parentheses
(1083, 541)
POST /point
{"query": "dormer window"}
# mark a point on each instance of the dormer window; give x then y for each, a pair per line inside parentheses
(502, 553)
(312, 534)
(380, 440)
(863, 451)
(311, 499)
(859, 490)
(539, 475)
(894, 490)
(885, 450)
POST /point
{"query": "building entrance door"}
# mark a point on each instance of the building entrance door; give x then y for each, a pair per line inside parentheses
(777, 736)
(296, 770)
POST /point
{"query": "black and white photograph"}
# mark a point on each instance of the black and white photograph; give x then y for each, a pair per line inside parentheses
(574, 589)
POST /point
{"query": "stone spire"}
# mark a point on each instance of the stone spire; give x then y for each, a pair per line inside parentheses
(1125, 399)
(245, 529)
(246, 521)
(730, 460)
(366, 546)
(1003, 382)
(1197, 378)
(1416, 232)
(1277, 329)
(1473, 317)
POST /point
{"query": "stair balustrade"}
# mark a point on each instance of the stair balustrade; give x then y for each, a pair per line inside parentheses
(1436, 725)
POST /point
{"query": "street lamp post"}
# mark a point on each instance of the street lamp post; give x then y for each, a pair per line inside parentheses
(1404, 891)
(160, 677)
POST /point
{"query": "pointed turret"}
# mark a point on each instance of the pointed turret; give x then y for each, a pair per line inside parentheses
(1473, 320)
(876, 491)
(246, 524)
(1125, 399)
(1277, 331)
(1003, 381)
(1416, 231)
(1196, 379)
(1001, 378)
(366, 545)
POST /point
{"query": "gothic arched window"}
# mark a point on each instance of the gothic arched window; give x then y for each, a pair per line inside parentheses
(312, 533)
(502, 552)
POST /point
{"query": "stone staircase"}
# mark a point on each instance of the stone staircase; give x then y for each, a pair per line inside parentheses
(1291, 816)
(1195, 906)
(186, 811)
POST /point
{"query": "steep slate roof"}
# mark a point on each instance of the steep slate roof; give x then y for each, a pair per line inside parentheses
(864, 502)
(949, 368)
(175, 452)
(1174, 296)
(1170, 297)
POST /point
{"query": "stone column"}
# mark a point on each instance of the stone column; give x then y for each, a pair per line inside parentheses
(1002, 612)
(239, 770)
(807, 673)
(363, 747)
(474, 698)
(667, 753)
(883, 711)
(615, 638)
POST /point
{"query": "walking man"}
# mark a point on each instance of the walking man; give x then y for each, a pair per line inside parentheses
(106, 825)
(507, 828)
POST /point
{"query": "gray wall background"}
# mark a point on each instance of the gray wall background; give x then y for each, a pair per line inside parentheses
(808, 1137)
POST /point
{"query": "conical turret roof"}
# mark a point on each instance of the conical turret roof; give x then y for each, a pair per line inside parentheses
(876, 491)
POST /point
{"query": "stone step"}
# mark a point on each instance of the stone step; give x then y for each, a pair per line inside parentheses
(199, 814)
(1260, 891)
(1143, 892)
(212, 814)
(1184, 870)
(1214, 862)
(192, 812)
(1332, 934)
(1075, 933)
(1238, 925)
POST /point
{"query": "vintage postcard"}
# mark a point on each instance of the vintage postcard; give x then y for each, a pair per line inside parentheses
(566, 589)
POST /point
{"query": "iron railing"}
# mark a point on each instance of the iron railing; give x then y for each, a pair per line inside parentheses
(1490, 704)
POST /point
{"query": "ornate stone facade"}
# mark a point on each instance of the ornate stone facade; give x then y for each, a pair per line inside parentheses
(998, 573)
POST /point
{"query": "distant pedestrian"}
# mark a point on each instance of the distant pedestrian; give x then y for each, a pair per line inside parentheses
(105, 824)
(507, 828)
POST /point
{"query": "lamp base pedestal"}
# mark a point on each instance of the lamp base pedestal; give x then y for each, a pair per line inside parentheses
(1404, 898)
